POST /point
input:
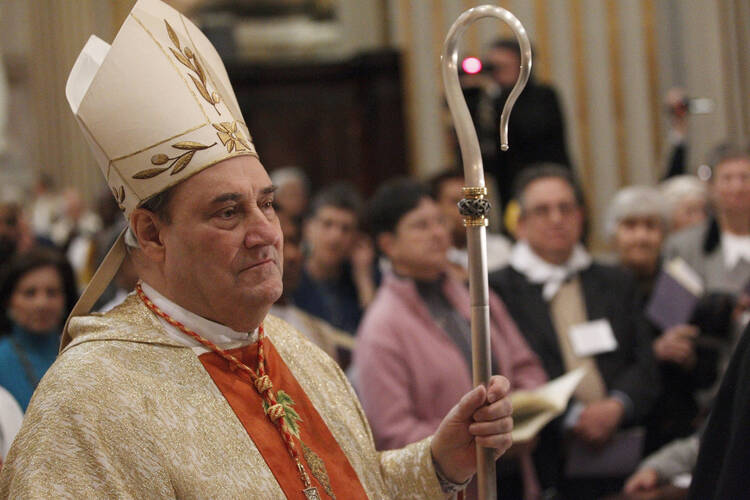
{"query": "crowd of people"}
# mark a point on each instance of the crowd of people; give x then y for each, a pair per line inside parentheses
(380, 285)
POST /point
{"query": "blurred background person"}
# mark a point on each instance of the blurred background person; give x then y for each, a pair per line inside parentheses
(37, 291)
(11, 418)
(338, 279)
(413, 357)
(637, 224)
(537, 130)
(46, 206)
(325, 336)
(446, 190)
(688, 201)
(575, 313)
(293, 190)
(719, 249)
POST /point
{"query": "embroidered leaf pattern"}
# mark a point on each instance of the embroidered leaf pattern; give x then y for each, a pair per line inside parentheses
(182, 162)
(231, 137)
(291, 417)
(186, 56)
(318, 469)
(172, 35)
(119, 195)
(178, 164)
(149, 173)
(190, 145)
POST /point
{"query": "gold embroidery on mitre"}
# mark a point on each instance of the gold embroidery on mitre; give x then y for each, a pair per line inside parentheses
(231, 137)
(318, 469)
(187, 57)
(179, 162)
(119, 195)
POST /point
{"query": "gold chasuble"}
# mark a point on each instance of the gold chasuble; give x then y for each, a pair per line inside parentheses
(127, 411)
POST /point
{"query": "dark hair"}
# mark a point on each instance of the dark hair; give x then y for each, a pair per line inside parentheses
(436, 182)
(726, 151)
(342, 195)
(21, 264)
(505, 43)
(542, 171)
(159, 204)
(391, 202)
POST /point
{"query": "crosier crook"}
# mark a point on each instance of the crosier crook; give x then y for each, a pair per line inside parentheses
(475, 208)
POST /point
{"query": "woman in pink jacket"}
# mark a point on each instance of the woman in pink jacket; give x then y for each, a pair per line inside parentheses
(412, 362)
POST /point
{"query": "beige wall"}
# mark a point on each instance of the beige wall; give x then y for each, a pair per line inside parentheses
(611, 61)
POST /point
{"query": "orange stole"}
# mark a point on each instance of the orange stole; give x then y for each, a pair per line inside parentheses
(248, 406)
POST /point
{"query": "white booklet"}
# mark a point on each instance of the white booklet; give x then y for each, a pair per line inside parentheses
(534, 409)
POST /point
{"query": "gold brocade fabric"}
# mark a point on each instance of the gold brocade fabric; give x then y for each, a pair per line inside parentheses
(126, 412)
(568, 309)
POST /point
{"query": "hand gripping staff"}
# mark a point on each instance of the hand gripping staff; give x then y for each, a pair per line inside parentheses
(474, 207)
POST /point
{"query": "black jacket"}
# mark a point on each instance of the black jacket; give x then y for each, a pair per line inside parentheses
(609, 293)
(722, 468)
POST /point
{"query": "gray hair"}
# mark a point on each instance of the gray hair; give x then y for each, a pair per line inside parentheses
(636, 201)
(676, 189)
(285, 175)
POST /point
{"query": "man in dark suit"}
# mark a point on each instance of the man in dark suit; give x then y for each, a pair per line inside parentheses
(537, 130)
(574, 312)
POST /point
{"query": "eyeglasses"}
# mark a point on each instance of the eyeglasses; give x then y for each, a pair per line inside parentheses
(546, 211)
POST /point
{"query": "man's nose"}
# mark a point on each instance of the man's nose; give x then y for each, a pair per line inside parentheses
(261, 230)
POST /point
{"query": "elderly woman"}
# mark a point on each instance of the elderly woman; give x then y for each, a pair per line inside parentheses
(37, 291)
(637, 225)
(687, 200)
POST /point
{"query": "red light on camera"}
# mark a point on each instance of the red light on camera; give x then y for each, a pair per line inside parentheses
(471, 65)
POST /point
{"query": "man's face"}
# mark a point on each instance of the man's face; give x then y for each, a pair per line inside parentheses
(638, 241)
(551, 219)
(293, 257)
(506, 66)
(223, 246)
(448, 197)
(420, 243)
(331, 234)
(730, 186)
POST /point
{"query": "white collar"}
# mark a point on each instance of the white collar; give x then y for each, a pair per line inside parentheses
(537, 270)
(735, 248)
(209, 330)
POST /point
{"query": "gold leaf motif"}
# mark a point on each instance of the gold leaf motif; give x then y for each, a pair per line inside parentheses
(318, 469)
(184, 60)
(234, 127)
(172, 34)
(201, 88)
(224, 137)
(230, 146)
(227, 127)
(198, 68)
(188, 57)
(159, 159)
(191, 145)
(244, 143)
(149, 173)
(182, 162)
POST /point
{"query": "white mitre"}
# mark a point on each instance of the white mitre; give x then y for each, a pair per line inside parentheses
(155, 107)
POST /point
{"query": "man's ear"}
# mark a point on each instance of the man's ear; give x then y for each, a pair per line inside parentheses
(385, 243)
(147, 229)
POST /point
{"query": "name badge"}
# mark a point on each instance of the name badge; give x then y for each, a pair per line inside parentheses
(592, 338)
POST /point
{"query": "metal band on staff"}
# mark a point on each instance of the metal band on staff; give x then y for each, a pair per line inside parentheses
(475, 208)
